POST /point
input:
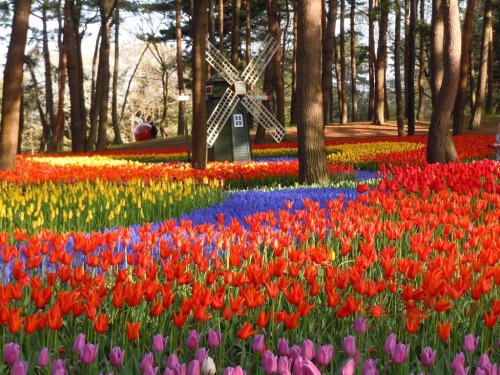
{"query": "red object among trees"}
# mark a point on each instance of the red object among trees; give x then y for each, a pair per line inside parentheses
(142, 132)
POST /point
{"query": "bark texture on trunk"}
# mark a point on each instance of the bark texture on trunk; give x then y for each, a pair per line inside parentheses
(459, 107)
(421, 66)
(354, 91)
(410, 84)
(310, 133)
(379, 115)
(199, 133)
(13, 85)
(72, 42)
(327, 60)
(397, 71)
(235, 33)
(445, 72)
(181, 116)
(477, 113)
(343, 78)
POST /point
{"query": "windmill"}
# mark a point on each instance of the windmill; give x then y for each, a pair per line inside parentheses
(237, 92)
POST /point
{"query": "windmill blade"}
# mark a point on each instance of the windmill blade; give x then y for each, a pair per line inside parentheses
(220, 115)
(257, 65)
(220, 63)
(263, 116)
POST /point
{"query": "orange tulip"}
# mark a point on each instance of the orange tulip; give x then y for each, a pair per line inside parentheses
(101, 322)
(54, 317)
(444, 330)
(490, 319)
(15, 321)
(246, 331)
(133, 330)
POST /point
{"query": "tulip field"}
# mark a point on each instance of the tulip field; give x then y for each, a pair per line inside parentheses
(131, 262)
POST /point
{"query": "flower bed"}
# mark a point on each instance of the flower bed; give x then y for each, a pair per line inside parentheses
(397, 279)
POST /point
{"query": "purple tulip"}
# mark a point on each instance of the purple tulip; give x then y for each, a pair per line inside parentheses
(297, 366)
(78, 343)
(349, 368)
(283, 348)
(324, 355)
(201, 355)
(147, 361)
(150, 370)
(20, 368)
(11, 353)
(309, 368)
(58, 367)
(89, 353)
(172, 361)
(284, 365)
(307, 350)
(470, 343)
(360, 325)
(168, 371)
(428, 356)
(258, 343)
(194, 368)
(117, 357)
(269, 362)
(159, 343)
(458, 361)
(483, 361)
(214, 338)
(349, 345)
(400, 354)
(193, 340)
(234, 371)
(370, 367)
(43, 358)
(294, 352)
(180, 369)
(462, 371)
(390, 343)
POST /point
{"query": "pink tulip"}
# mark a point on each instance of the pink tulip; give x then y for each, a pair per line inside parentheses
(11, 353)
(78, 343)
(307, 350)
(309, 368)
(428, 356)
(360, 325)
(470, 343)
(283, 348)
(349, 368)
(88, 353)
(193, 340)
(269, 362)
(117, 357)
(159, 343)
(43, 358)
(214, 338)
(390, 343)
(194, 368)
(400, 354)
(349, 345)
(324, 355)
(258, 343)
(19, 368)
(147, 361)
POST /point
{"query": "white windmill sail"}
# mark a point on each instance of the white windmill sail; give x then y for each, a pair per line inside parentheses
(263, 116)
(220, 63)
(257, 65)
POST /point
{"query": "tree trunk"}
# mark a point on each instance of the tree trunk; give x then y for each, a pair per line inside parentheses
(397, 71)
(477, 113)
(343, 78)
(221, 26)
(72, 42)
(421, 65)
(181, 115)
(46, 131)
(293, 100)
(248, 32)
(103, 85)
(445, 74)
(211, 20)
(354, 91)
(13, 85)
(49, 91)
(95, 93)
(459, 107)
(410, 84)
(371, 61)
(336, 65)
(310, 133)
(490, 88)
(472, 83)
(199, 139)
(279, 87)
(116, 70)
(379, 118)
(235, 34)
(327, 60)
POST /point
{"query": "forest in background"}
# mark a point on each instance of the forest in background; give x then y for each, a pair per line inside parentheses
(374, 54)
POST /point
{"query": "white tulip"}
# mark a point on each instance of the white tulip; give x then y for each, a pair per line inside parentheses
(208, 367)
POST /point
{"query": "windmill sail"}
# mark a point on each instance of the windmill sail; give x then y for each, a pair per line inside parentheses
(257, 65)
(263, 116)
(220, 115)
(220, 63)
